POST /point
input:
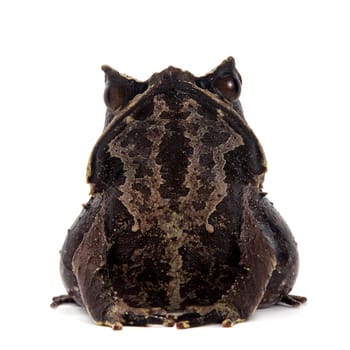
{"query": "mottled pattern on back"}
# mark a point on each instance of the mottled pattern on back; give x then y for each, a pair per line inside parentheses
(177, 229)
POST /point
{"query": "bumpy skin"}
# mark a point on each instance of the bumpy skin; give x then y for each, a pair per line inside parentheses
(177, 228)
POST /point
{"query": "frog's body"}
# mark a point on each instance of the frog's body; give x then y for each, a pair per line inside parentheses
(177, 222)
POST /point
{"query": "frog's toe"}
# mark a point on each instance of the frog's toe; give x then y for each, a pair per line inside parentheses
(152, 319)
(126, 319)
(293, 300)
(169, 321)
(230, 322)
(117, 326)
(61, 299)
(133, 319)
(196, 319)
(143, 318)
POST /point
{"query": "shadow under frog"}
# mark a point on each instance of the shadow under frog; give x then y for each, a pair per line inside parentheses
(177, 229)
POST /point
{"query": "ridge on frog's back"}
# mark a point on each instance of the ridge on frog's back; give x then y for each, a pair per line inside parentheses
(177, 222)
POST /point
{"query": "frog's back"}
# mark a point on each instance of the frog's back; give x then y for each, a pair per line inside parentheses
(183, 213)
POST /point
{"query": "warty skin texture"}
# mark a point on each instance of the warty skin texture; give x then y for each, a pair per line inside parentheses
(177, 229)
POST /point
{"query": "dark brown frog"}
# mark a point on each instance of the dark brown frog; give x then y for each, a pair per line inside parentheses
(178, 229)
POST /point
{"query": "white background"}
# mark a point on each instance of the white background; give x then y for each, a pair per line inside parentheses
(294, 59)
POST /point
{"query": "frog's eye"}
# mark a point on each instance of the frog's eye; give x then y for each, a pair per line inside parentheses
(116, 96)
(227, 87)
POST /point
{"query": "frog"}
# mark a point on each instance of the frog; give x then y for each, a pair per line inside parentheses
(177, 229)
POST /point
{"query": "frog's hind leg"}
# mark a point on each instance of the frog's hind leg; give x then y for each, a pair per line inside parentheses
(284, 276)
(98, 295)
(256, 266)
(74, 238)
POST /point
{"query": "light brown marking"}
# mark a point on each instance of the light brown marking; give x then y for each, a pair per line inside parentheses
(145, 213)
(195, 169)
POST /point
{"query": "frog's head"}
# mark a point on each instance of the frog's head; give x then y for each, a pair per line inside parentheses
(181, 107)
(223, 83)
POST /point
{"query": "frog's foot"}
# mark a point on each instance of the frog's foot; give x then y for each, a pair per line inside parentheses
(204, 315)
(61, 299)
(293, 300)
(140, 318)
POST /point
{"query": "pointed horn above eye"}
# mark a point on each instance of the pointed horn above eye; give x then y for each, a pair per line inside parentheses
(113, 75)
(229, 59)
(227, 64)
(107, 69)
